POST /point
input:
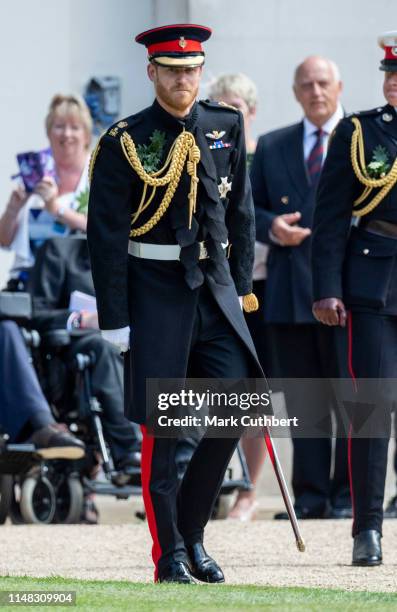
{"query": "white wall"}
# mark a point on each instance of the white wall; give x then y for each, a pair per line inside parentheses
(57, 45)
(54, 46)
(268, 38)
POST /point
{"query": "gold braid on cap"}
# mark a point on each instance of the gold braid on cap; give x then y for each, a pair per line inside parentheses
(183, 147)
(358, 162)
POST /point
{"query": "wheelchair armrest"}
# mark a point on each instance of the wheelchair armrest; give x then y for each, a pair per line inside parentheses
(56, 338)
(16, 306)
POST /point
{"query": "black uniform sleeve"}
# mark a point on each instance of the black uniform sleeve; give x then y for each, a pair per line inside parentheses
(263, 216)
(337, 190)
(109, 212)
(240, 220)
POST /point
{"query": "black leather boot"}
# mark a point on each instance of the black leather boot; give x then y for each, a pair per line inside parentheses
(202, 566)
(367, 550)
(176, 571)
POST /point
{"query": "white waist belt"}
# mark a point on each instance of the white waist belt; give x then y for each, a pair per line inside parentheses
(163, 252)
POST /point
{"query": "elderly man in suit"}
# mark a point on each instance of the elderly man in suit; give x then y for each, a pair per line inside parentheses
(284, 175)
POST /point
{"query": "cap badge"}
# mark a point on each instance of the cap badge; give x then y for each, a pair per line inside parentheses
(224, 187)
(394, 51)
(387, 117)
(182, 42)
(215, 135)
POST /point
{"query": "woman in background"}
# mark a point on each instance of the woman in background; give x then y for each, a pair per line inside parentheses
(56, 206)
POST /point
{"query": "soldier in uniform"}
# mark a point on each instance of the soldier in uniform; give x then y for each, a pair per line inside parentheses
(355, 280)
(171, 237)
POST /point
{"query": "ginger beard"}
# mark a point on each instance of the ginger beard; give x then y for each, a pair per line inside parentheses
(390, 88)
(176, 88)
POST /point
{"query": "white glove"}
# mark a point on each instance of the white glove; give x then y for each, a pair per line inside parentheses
(119, 337)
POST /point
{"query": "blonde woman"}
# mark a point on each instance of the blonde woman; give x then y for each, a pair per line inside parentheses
(55, 207)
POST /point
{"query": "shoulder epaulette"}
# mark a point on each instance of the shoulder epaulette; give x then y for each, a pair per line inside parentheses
(124, 124)
(219, 105)
(366, 113)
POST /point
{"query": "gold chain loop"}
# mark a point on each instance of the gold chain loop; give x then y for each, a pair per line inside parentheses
(183, 146)
(358, 159)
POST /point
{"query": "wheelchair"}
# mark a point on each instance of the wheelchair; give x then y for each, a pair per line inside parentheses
(67, 386)
(53, 491)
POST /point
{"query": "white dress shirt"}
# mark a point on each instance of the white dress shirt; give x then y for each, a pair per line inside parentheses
(309, 132)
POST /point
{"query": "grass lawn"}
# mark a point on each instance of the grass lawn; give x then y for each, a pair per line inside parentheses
(100, 595)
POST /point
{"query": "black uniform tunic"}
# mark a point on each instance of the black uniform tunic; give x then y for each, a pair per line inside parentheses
(358, 264)
(181, 313)
(158, 298)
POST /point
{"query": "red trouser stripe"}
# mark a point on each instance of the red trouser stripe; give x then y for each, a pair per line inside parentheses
(353, 377)
(146, 471)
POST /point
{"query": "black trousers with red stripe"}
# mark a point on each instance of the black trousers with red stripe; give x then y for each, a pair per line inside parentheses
(373, 355)
(177, 515)
(311, 351)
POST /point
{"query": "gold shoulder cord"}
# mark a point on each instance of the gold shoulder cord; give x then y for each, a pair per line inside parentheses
(184, 146)
(358, 162)
(93, 157)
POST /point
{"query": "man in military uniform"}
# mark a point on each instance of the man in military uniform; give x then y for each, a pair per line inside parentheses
(355, 280)
(171, 237)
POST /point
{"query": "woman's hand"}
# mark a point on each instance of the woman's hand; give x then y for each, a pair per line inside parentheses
(18, 199)
(47, 189)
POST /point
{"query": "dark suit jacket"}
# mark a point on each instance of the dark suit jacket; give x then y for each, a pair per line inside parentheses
(62, 265)
(280, 185)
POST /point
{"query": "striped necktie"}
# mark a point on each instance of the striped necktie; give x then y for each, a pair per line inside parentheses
(315, 160)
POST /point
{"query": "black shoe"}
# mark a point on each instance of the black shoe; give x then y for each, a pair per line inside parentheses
(302, 514)
(391, 509)
(367, 550)
(340, 513)
(56, 442)
(202, 566)
(128, 470)
(176, 571)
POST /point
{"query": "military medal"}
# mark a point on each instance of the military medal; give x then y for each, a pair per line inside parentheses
(387, 117)
(218, 143)
(224, 187)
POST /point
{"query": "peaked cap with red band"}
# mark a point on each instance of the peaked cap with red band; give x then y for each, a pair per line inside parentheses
(388, 42)
(175, 45)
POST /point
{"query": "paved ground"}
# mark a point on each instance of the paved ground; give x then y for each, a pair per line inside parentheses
(261, 552)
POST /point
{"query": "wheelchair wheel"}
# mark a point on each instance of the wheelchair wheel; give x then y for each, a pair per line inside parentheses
(69, 501)
(6, 484)
(38, 503)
